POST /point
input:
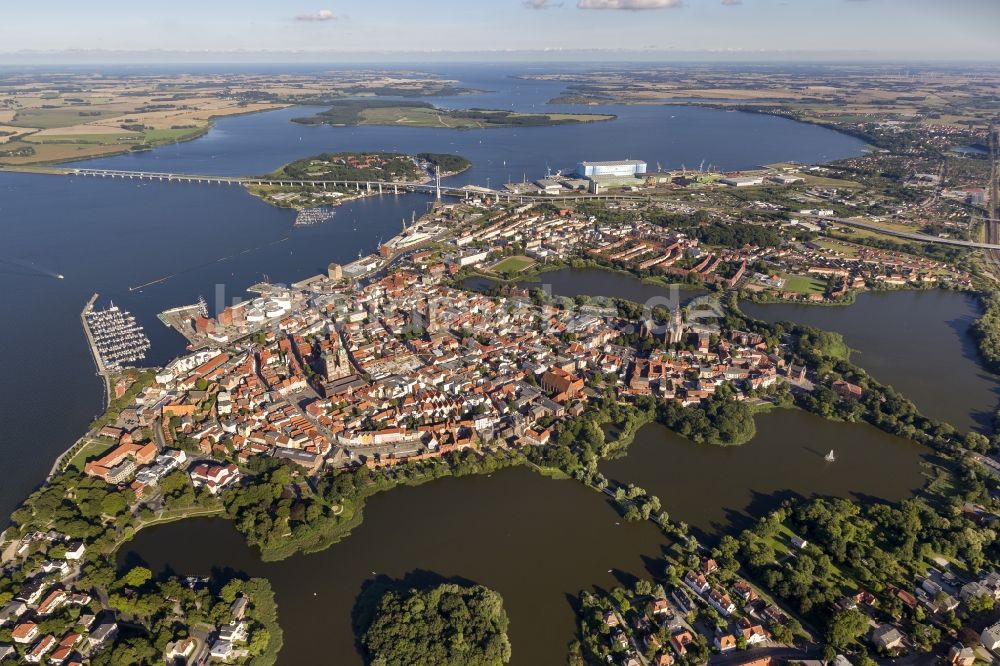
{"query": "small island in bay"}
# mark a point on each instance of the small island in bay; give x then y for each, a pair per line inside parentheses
(447, 625)
(332, 178)
(423, 114)
(449, 164)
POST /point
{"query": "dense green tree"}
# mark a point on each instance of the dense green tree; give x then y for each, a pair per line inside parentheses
(846, 627)
(444, 625)
(137, 577)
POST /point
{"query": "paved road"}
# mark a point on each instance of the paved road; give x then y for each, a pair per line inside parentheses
(906, 234)
(779, 653)
(993, 208)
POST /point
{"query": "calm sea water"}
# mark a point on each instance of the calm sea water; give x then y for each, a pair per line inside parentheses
(107, 236)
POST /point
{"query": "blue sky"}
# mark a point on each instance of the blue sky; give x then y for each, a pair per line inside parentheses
(744, 29)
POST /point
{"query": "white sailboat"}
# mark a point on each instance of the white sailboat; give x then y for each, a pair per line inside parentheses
(830, 457)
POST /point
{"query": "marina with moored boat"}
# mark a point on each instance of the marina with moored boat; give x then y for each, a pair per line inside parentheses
(116, 338)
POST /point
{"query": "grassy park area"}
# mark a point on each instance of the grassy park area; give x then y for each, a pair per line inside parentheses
(513, 265)
(804, 284)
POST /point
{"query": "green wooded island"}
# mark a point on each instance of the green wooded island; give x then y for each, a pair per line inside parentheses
(445, 625)
(423, 114)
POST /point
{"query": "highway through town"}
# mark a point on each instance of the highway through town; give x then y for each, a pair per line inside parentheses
(993, 208)
(910, 235)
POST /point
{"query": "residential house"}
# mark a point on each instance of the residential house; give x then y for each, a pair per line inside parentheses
(847, 390)
(24, 633)
(52, 602)
(238, 608)
(214, 476)
(681, 599)
(222, 650)
(11, 611)
(758, 661)
(681, 640)
(721, 602)
(753, 633)
(907, 598)
(32, 590)
(886, 637)
(990, 638)
(744, 591)
(40, 649)
(959, 655)
(102, 633)
(696, 582)
(659, 607)
(182, 649)
(234, 633)
(725, 642)
(65, 649)
(865, 598)
(60, 655)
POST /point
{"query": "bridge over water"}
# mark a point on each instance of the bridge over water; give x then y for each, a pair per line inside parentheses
(371, 186)
(464, 192)
(368, 185)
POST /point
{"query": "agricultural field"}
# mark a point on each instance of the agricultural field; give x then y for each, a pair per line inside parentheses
(414, 116)
(57, 118)
(872, 102)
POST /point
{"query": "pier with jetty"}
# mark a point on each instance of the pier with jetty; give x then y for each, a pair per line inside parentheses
(116, 339)
(102, 371)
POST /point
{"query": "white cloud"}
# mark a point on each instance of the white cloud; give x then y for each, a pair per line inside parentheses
(631, 5)
(321, 15)
(541, 4)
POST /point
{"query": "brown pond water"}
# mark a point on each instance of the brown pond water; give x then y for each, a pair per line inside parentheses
(717, 489)
(917, 341)
(533, 539)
